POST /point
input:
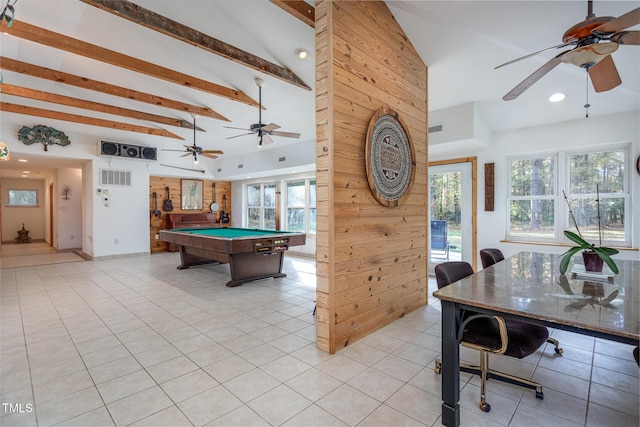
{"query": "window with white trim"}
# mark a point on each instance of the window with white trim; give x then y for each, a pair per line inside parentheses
(532, 198)
(261, 206)
(599, 175)
(301, 206)
(539, 212)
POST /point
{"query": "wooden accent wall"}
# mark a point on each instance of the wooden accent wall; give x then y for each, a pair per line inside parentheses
(158, 184)
(371, 259)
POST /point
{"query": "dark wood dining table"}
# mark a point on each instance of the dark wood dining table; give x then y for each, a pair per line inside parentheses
(529, 287)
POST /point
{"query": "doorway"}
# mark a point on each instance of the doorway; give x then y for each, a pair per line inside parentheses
(452, 211)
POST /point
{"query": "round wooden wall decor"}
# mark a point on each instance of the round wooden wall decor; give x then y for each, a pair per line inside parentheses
(390, 159)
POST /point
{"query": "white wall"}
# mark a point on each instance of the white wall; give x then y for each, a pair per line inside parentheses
(13, 217)
(69, 212)
(584, 133)
(121, 224)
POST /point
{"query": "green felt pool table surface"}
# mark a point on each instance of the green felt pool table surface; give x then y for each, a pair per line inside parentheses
(233, 233)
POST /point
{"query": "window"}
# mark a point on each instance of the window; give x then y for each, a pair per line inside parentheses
(538, 185)
(592, 175)
(23, 198)
(301, 206)
(261, 206)
(532, 198)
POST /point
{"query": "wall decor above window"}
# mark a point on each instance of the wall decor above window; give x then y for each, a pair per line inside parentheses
(44, 135)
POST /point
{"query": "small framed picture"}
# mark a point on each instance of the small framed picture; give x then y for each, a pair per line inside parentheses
(191, 194)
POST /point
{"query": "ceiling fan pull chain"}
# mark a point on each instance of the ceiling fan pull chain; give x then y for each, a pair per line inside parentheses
(586, 106)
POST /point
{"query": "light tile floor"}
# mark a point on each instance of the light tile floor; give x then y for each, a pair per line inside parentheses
(133, 341)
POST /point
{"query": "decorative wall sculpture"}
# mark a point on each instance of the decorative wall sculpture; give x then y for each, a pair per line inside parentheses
(44, 135)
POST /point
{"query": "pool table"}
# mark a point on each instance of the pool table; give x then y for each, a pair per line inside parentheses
(252, 254)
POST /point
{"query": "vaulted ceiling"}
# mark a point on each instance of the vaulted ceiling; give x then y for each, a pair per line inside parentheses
(96, 73)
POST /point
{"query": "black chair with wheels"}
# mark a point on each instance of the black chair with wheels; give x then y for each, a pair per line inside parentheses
(490, 256)
(491, 335)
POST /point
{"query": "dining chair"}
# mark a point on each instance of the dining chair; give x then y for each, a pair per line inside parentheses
(490, 256)
(491, 335)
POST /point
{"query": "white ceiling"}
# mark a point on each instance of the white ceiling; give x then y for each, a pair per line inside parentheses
(461, 43)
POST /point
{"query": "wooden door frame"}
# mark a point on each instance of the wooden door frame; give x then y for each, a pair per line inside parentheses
(474, 199)
(51, 214)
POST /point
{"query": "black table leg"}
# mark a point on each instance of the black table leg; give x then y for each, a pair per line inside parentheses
(450, 365)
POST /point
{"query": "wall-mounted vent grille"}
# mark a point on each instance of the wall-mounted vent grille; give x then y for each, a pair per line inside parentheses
(240, 166)
(219, 170)
(436, 128)
(115, 177)
(282, 159)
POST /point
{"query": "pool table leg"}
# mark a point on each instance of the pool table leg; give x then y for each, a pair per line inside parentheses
(188, 260)
(246, 267)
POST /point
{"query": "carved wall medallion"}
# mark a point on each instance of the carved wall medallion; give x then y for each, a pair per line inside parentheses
(390, 158)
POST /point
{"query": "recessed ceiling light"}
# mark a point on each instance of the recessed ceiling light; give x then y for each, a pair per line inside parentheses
(26, 171)
(302, 53)
(24, 176)
(23, 160)
(557, 97)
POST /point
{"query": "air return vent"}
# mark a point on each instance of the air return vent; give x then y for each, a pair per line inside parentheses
(240, 166)
(115, 177)
(436, 128)
(282, 159)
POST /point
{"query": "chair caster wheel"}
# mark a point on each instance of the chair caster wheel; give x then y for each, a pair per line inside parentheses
(438, 367)
(539, 395)
(485, 407)
(558, 350)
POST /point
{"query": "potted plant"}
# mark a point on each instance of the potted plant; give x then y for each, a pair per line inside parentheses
(593, 255)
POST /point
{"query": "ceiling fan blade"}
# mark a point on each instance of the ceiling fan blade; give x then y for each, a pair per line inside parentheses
(229, 127)
(604, 75)
(537, 75)
(627, 20)
(266, 139)
(164, 149)
(285, 134)
(190, 148)
(270, 127)
(210, 156)
(627, 37)
(212, 152)
(534, 54)
(185, 155)
(238, 136)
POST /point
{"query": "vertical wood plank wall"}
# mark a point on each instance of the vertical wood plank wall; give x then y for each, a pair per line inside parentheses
(158, 184)
(371, 260)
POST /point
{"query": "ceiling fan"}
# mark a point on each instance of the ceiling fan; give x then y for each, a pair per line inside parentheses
(595, 39)
(263, 131)
(194, 150)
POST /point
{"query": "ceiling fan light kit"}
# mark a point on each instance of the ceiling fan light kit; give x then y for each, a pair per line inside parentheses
(595, 39)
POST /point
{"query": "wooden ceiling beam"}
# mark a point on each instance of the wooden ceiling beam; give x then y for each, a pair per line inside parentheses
(57, 115)
(59, 41)
(40, 95)
(85, 83)
(139, 15)
(298, 8)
